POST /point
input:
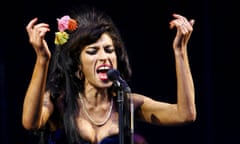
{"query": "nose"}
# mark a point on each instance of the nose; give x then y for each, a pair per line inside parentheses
(103, 55)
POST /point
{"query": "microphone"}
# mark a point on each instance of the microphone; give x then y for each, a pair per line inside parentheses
(114, 75)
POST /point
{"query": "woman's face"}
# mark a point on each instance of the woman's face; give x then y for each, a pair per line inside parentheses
(96, 60)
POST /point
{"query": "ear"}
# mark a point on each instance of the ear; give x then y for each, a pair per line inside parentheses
(79, 73)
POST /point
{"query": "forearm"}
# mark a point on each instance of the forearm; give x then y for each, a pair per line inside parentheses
(33, 101)
(185, 88)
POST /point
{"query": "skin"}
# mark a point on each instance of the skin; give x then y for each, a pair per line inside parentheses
(37, 106)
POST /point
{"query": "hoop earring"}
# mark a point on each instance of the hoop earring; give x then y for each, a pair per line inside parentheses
(80, 75)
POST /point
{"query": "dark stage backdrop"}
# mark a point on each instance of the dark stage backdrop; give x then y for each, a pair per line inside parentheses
(3, 104)
(144, 26)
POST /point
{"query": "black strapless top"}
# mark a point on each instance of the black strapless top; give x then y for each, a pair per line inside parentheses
(58, 137)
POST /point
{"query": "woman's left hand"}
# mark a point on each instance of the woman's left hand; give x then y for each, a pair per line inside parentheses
(184, 30)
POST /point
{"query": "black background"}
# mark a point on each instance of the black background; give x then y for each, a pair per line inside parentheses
(144, 25)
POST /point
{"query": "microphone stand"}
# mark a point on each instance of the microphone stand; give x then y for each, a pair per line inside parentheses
(126, 121)
(129, 113)
(120, 100)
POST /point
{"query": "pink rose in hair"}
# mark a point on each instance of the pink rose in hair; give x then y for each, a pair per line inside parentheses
(63, 23)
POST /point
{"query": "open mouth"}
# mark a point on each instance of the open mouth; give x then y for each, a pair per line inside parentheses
(102, 72)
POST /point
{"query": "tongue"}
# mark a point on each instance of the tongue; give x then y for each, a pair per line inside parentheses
(102, 76)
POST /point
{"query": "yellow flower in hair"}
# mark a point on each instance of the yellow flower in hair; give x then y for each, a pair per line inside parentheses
(61, 38)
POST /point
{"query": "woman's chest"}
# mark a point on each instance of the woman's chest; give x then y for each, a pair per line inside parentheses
(96, 133)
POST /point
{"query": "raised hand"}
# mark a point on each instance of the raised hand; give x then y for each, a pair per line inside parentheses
(184, 30)
(36, 33)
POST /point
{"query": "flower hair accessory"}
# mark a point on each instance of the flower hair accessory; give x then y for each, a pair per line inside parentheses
(64, 24)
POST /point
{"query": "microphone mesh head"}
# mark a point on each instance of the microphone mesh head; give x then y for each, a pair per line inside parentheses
(113, 74)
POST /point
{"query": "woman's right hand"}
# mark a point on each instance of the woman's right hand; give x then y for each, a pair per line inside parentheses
(36, 33)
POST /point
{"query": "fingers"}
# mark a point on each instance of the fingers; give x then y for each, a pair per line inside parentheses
(41, 28)
(33, 26)
(36, 30)
(192, 21)
(181, 22)
(36, 33)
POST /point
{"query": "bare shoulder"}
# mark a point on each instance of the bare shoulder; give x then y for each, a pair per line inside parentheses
(139, 99)
(147, 103)
(139, 102)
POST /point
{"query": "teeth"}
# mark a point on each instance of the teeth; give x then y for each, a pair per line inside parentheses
(103, 68)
